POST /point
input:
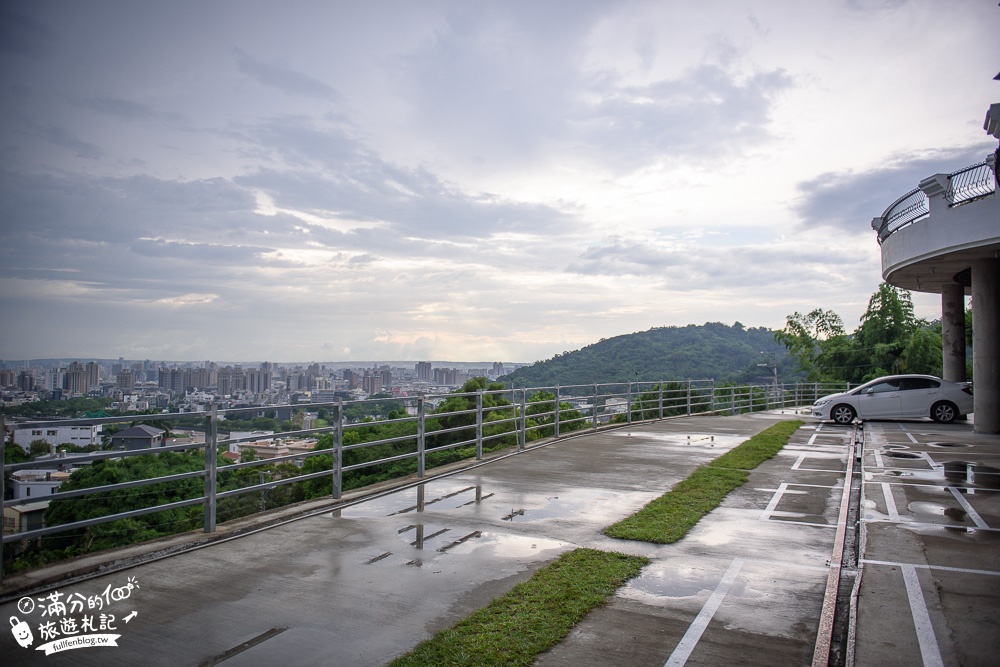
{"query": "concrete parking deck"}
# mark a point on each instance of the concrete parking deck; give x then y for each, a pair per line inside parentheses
(363, 584)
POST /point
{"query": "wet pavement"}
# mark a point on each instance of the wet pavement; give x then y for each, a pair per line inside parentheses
(930, 582)
(362, 584)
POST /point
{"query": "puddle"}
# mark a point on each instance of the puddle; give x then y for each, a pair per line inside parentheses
(965, 473)
(675, 583)
(502, 545)
(924, 510)
(901, 455)
(570, 503)
(693, 439)
(418, 535)
(948, 444)
(426, 496)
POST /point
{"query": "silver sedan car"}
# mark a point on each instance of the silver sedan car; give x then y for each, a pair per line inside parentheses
(898, 396)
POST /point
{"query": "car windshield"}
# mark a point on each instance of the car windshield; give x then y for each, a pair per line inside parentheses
(880, 387)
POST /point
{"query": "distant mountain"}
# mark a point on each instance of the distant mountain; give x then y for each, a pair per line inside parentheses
(710, 351)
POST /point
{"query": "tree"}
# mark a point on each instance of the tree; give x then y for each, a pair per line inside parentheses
(38, 448)
(885, 330)
(812, 337)
(539, 411)
(889, 340)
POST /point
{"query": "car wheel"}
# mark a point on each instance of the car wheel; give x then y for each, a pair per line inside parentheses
(944, 412)
(843, 414)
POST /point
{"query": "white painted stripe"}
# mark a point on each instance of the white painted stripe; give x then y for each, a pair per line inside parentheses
(946, 568)
(775, 499)
(921, 524)
(694, 632)
(973, 514)
(878, 459)
(801, 523)
(930, 461)
(929, 651)
(902, 427)
(798, 461)
(890, 504)
(928, 486)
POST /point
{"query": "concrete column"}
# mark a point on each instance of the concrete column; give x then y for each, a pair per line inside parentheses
(986, 344)
(953, 332)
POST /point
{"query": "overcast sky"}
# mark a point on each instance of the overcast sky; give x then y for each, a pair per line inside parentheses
(296, 181)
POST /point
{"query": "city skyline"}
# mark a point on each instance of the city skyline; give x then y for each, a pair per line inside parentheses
(466, 181)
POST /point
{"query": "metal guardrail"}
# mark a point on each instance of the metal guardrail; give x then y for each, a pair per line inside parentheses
(519, 415)
(970, 184)
(964, 186)
(909, 208)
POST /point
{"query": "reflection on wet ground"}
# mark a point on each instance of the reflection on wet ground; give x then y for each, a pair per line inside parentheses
(510, 506)
(437, 541)
(433, 495)
(966, 473)
(681, 439)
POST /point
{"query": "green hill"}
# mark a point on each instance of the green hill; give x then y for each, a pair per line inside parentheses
(712, 350)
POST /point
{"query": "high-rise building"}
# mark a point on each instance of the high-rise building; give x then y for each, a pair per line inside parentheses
(8, 378)
(424, 371)
(93, 375)
(125, 381)
(26, 381)
(75, 379)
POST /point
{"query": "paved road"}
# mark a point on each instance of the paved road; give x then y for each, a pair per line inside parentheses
(364, 584)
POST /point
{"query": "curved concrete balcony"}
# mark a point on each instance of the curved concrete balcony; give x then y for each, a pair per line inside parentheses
(944, 237)
(931, 236)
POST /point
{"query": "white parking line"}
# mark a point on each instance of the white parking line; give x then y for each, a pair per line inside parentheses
(798, 461)
(973, 514)
(775, 499)
(878, 459)
(890, 504)
(690, 639)
(929, 651)
(908, 435)
(945, 568)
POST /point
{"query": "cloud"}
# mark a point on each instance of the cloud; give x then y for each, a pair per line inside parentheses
(60, 136)
(287, 80)
(705, 113)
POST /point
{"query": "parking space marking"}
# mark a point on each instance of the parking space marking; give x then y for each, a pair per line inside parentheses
(929, 651)
(946, 568)
(694, 632)
(973, 514)
(890, 504)
(878, 459)
(798, 461)
(774, 501)
(902, 427)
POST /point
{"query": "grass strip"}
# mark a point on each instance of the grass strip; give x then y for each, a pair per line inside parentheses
(533, 616)
(667, 519)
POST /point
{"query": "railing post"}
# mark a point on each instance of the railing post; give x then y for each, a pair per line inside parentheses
(732, 399)
(712, 405)
(522, 440)
(479, 425)
(628, 404)
(661, 399)
(211, 463)
(689, 398)
(593, 409)
(421, 446)
(338, 451)
(555, 418)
